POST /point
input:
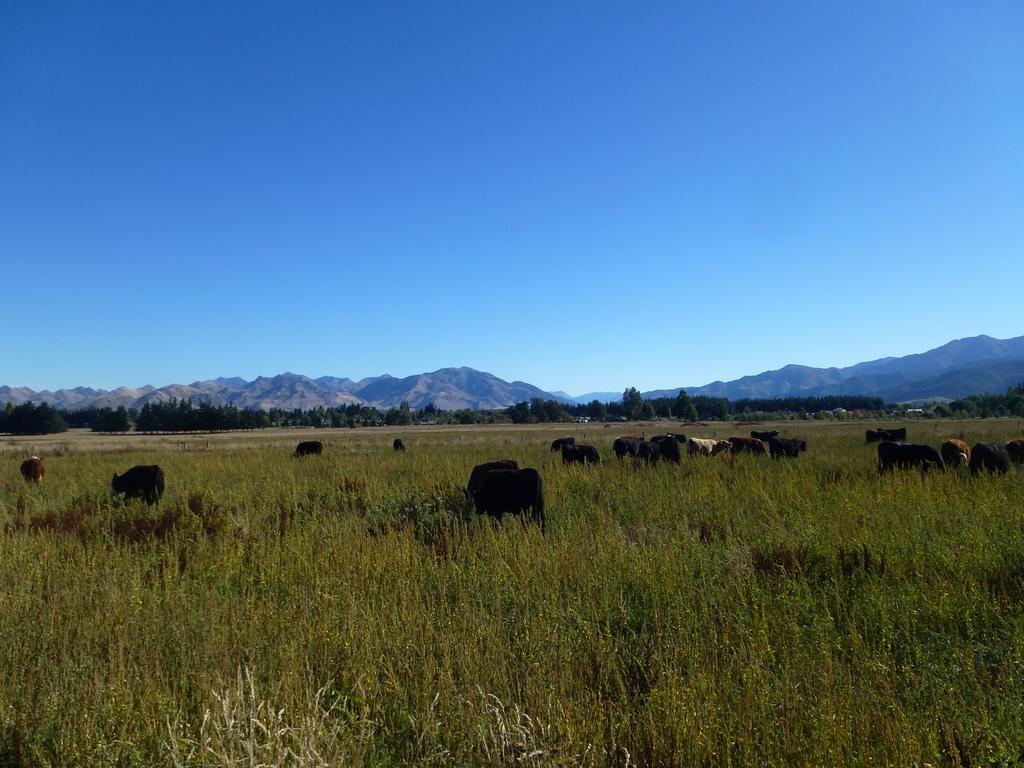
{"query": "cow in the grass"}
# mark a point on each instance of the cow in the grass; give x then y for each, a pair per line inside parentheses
(990, 457)
(556, 445)
(881, 435)
(648, 452)
(580, 454)
(787, 447)
(476, 477)
(764, 435)
(1015, 450)
(398, 444)
(143, 481)
(748, 445)
(309, 448)
(906, 455)
(706, 446)
(627, 445)
(669, 446)
(956, 453)
(32, 469)
(511, 492)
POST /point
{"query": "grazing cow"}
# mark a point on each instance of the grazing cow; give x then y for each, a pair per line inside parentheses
(764, 435)
(649, 452)
(398, 445)
(32, 470)
(1015, 448)
(905, 455)
(668, 446)
(991, 457)
(748, 445)
(580, 454)
(784, 446)
(706, 446)
(882, 435)
(476, 477)
(627, 444)
(309, 448)
(511, 491)
(956, 453)
(140, 482)
(556, 445)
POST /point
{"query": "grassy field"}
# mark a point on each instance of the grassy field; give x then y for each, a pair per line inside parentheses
(347, 609)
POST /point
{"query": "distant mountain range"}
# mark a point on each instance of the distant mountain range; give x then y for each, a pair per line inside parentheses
(448, 388)
(959, 368)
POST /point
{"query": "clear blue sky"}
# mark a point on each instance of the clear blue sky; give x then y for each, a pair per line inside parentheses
(583, 196)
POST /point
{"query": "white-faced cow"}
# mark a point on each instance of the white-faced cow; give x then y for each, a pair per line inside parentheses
(956, 453)
(140, 482)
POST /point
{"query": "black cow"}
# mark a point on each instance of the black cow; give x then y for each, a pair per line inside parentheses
(143, 481)
(580, 454)
(476, 477)
(905, 455)
(1016, 450)
(626, 445)
(764, 435)
(309, 448)
(883, 435)
(513, 492)
(784, 446)
(398, 445)
(649, 452)
(748, 445)
(990, 457)
(668, 446)
(556, 445)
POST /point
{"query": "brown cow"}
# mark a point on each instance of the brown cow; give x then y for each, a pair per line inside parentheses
(32, 470)
(1016, 450)
(956, 453)
(748, 445)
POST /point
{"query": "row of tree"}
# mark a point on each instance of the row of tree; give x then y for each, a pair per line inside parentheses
(31, 419)
(184, 416)
(1009, 404)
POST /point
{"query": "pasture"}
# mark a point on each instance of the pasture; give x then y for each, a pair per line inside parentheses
(348, 609)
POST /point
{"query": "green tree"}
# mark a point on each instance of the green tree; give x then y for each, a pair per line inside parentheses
(684, 407)
(519, 413)
(632, 403)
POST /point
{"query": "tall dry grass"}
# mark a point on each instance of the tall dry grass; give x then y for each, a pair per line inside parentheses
(348, 610)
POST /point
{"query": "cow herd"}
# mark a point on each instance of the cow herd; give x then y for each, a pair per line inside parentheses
(497, 488)
(981, 457)
(672, 446)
